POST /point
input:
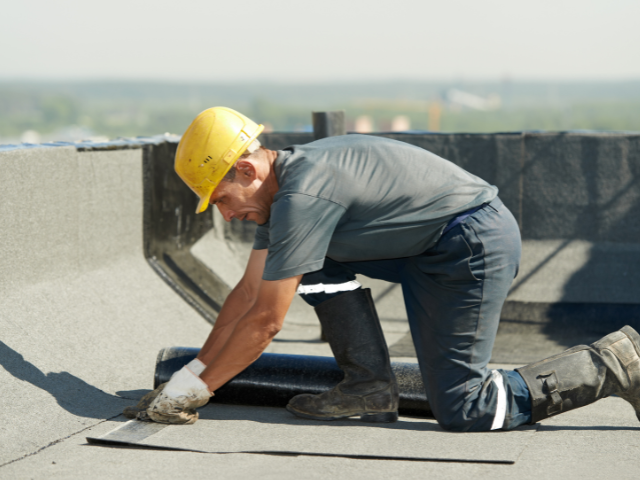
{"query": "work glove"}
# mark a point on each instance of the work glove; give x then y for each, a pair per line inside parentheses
(195, 365)
(177, 402)
(143, 404)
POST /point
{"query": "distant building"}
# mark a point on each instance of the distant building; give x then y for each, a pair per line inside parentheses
(400, 123)
(30, 136)
(364, 124)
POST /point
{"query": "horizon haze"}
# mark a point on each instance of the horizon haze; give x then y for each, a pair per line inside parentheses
(287, 41)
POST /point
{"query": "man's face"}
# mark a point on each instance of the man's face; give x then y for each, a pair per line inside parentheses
(242, 199)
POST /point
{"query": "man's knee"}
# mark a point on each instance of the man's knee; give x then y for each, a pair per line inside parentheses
(467, 408)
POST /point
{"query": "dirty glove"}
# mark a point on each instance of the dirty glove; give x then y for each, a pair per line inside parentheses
(178, 400)
(143, 404)
(195, 365)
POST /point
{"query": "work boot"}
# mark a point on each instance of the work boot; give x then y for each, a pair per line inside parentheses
(369, 388)
(582, 375)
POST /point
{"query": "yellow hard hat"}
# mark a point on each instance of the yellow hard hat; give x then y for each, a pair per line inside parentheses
(209, 148)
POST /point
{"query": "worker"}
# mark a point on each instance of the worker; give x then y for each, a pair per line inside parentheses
(356, 204)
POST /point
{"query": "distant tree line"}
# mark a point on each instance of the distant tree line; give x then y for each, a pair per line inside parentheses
(115, 109)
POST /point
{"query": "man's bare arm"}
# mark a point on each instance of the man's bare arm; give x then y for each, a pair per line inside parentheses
(237, 303)
(253, 332)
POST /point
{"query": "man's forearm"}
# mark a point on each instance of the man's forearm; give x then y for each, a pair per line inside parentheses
(251, 336)
(253, 332)
(236, 305)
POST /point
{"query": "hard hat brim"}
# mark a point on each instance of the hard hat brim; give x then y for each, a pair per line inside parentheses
(204, 201)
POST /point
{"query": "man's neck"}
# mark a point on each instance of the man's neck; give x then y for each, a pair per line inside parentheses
(271, 182)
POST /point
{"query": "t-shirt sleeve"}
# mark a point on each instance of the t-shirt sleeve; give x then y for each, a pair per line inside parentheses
(300, 231)
(261, 239)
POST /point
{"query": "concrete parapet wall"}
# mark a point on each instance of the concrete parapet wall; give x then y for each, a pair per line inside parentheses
(583, 187)
(62, 212)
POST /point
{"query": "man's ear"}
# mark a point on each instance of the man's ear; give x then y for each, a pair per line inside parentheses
(246, 170)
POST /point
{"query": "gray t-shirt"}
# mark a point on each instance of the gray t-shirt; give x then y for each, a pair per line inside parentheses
(357, 197)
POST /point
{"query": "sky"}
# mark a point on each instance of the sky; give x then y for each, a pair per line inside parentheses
(301, 41)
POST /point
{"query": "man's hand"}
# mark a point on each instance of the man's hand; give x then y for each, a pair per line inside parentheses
(143, 404)
(177, 402)
(195, 365)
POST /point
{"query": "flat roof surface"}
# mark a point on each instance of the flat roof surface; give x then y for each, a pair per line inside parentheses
(84, 316)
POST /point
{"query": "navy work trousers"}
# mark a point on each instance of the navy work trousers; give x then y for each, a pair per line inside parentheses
(453, 294)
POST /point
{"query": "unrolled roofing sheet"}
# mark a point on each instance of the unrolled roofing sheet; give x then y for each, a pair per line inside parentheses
(235, 429)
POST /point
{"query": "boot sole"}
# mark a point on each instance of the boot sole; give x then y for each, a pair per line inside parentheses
(382, 417)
